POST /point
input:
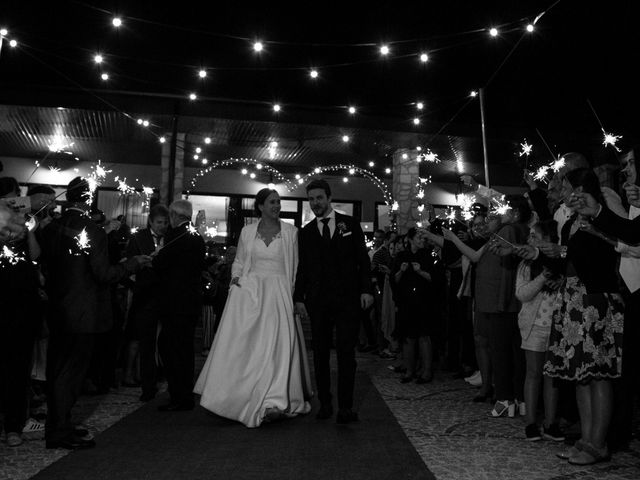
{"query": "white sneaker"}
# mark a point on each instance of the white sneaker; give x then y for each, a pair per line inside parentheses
(475, 379)
(33, 425)
(475, 375)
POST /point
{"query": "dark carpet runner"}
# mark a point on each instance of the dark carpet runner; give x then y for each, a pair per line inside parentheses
(197, 445)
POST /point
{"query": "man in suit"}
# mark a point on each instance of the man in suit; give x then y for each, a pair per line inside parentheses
(333, 285)
(78, 279)
(146, 306)
(179, 264)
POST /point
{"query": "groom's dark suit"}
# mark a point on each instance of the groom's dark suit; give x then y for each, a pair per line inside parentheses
(332, 274)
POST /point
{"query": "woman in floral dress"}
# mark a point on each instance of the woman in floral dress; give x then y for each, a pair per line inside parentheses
(585, 344)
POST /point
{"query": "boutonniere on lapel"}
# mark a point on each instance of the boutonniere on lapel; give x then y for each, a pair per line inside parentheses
(342, 229)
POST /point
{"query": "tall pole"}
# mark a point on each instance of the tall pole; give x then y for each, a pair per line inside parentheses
(484, 140)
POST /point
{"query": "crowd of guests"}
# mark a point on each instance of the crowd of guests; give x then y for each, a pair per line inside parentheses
(534, 298)
(83, 298)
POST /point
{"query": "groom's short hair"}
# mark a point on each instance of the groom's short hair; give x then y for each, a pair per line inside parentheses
(319, 183)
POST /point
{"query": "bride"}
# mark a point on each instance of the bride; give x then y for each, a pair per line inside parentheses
(257, 369)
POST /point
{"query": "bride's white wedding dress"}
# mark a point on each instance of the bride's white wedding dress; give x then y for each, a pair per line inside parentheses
(257, 363)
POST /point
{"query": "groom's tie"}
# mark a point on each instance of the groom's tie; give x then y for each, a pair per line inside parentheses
(326, 233)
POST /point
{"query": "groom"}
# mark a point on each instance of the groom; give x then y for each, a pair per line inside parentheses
(332, 286)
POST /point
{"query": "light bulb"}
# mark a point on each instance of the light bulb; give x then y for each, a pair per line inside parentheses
(387, 170)
(259, 166)
(276, 108)
(352, 110)
(372, 164)
(345, 138)
(419, 148)
(162, 139)
(198, 150)
(13, 43)
(252, 175)
(207, 140)
(145, 123)
(424, 57)
(345, 179)
(352, 171)
(257, 47)
(243, 171)
(117, 22)
(104, 76)
(192, 96)
(419, 105)
(196, 157)
(313, 74)
(139, 121)
(493, 32)
(416, 121)
(202, 73)
(4, 32)
(384, 50)
(473, 93)
(98, 58)
(530, 28)
(405, 156)
(205, 161)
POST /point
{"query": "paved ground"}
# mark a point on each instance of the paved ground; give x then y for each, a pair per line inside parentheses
(454, 436)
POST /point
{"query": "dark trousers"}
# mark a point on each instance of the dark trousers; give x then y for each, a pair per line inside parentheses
(146, 323)
(507, 357)
(345, 319)
(628, 385)
(68, 360)
(177, 352)
(17, 336)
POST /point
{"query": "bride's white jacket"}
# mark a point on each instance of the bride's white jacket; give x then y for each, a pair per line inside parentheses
(289, 233)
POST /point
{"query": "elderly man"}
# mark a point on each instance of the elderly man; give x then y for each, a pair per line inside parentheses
(179, 264)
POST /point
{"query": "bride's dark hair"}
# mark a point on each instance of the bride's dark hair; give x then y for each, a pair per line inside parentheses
(261, 196)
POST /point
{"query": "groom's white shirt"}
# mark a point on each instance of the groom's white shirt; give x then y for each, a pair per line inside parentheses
(332, 222)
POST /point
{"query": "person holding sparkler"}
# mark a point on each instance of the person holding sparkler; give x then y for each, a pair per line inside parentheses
(21, 314)
(78, 279)
(586, 337)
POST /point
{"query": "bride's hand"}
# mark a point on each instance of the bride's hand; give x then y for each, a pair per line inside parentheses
(235, 281)
(301, 310)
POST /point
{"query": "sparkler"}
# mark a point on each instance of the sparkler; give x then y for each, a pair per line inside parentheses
(526, 149)
(541, 173)
(82, 242)
(505, 240)
(610, 139)
(558, 164)
(134, 230)
(191, 230)
(429, 156)
(9, 256)
(123, 188)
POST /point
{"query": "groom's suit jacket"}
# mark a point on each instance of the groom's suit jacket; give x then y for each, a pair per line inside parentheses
(333, 271)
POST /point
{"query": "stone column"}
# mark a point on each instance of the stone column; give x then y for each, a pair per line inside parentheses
(172, 174)
(405, 177)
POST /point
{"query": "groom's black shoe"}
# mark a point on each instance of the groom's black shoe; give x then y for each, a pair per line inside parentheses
(346, 415)
(326, 411)
(176, 407)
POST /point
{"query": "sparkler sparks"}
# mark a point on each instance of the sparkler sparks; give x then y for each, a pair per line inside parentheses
(192, 230)
(83, 243)
(541, 173)
(610, 139)
(526, 149)
(134, 230)
(147, 190)
(429, 156)
(9, 256)
(395, 206)
(558, 164)
(123, 188)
